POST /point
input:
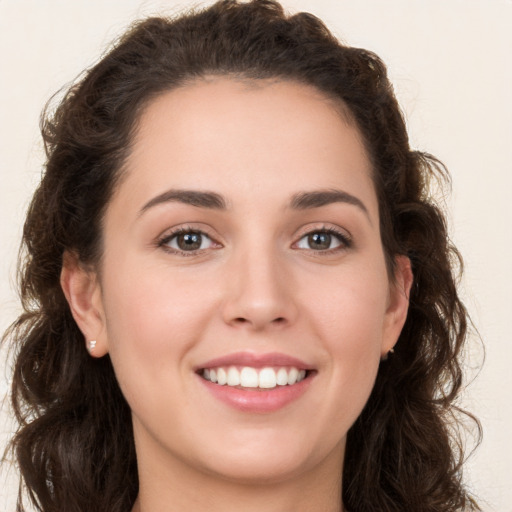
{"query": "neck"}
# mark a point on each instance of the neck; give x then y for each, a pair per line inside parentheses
(176, 487)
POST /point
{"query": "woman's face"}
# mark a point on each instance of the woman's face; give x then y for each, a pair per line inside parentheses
(243, 244)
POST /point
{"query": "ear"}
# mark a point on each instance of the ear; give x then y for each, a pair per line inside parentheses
(398, 303)
(83, 293)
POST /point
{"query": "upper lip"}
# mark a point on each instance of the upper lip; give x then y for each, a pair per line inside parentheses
(256, 360)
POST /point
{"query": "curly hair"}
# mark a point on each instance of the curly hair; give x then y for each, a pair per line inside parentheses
(74, 445)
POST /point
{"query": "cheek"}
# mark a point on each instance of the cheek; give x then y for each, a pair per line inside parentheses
(351, 311)
(350, 321)
(151, 325)
(154, 316)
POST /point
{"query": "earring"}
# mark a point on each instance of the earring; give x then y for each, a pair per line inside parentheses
(91, 346)
(386, 356)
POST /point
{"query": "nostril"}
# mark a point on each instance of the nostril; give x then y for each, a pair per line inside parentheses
(241, 320)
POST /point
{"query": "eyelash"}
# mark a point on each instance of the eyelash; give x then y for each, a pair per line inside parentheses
(344, 240)
(167, 238)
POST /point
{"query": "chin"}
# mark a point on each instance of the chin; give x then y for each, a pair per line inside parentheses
(264, 458)
(258, 470)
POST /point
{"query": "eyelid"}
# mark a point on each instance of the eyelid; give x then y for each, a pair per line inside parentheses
(341, 234)
(173, 232)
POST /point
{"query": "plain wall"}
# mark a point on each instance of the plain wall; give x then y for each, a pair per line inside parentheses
(451, 66)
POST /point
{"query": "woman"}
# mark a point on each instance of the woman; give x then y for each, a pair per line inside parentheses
(237, 292)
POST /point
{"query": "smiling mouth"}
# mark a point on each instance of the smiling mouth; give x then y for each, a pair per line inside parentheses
(248, 377)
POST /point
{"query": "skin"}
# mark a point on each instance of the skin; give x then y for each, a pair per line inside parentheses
(256, 285)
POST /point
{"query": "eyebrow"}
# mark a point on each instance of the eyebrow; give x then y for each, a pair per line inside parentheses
(319, 198)
(212, 200)
(201, 199)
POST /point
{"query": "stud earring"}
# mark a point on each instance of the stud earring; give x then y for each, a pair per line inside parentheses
(386, 356)
(91, 346)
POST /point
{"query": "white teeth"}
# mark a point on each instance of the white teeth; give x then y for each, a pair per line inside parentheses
(267, 378)
(292, 376)
(233, 377)
(222, 378)
(282, 377)
(248, 377)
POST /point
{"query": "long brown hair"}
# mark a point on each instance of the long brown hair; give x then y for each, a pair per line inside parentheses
(74, 445)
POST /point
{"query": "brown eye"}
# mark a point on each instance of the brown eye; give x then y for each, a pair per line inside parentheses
(187, 241)
(319, 241)
(323, 240)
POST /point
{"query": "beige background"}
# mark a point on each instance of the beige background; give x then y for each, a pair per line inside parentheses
(450, 62)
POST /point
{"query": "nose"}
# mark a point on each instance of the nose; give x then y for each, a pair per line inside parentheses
(260, 292)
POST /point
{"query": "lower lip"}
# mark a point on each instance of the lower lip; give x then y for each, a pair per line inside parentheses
(258, 401)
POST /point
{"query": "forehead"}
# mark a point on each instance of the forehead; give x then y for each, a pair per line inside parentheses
(245, 137)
